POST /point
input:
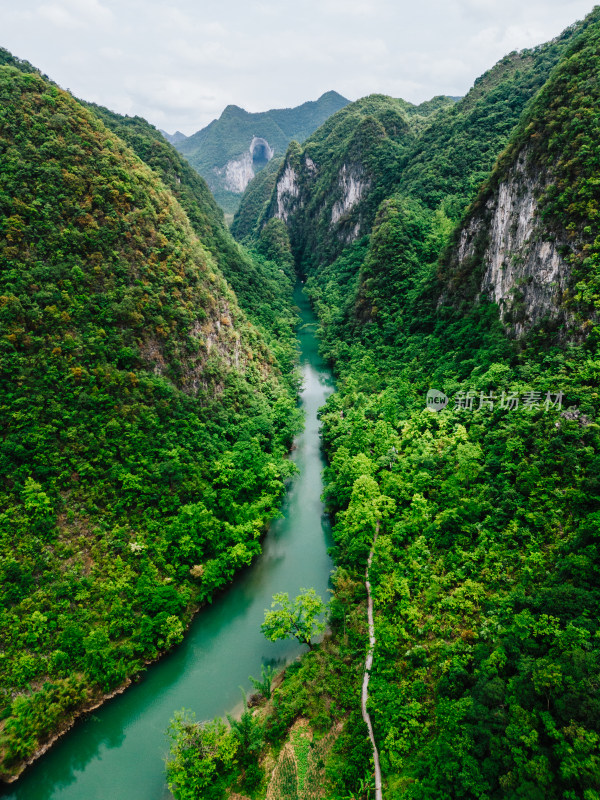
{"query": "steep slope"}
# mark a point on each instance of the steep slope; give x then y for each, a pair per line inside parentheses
(174, 138)
(254, 201)
(145, 422)
(327, 192)
(535, 218)
(231, 150)
(436, 179)
(486, 591)
(484, 579)
(8, 60)
(452, 159)
(263, 290)
(437, 156)
(482, 519)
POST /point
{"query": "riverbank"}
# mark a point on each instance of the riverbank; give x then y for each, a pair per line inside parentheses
(119, 750)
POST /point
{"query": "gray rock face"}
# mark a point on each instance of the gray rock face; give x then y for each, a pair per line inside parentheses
(523, 270)
(288, 193)
(353, 185)
(292, 193)
(238, 172)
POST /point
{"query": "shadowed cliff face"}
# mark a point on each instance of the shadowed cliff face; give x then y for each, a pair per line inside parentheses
(238, 172)
(261, 151)
(529, 243)
(327, 191)
(517, 256)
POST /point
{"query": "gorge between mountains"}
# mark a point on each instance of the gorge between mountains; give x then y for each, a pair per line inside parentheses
(158, 489)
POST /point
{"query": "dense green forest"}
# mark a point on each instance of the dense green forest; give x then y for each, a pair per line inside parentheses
(485, 569)
(148, 404)
(147, 411)
(261, 289)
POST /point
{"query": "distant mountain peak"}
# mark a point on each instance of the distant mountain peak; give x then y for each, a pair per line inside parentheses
(233, 110)
(174, 138)
(332, 94)
(224, 153)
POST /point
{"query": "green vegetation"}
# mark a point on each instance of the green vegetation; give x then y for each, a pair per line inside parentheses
(147, 412)
(483, 575)
(146, 420)
(363, 143)
(203, 758)
(436, 154)
(254, 200)
(206, 757)
(298, 619)
(485, 571)
(229, 137)
(261, 283)
(263, 686)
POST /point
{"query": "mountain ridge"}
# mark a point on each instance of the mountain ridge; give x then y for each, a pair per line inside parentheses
(472, 528)
(225, 152)
(133, 384)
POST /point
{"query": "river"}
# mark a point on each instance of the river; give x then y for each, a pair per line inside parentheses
(118, 751)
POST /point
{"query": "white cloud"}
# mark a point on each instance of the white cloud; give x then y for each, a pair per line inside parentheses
(180, 62)
(353, 8)
(90, 11)
(59, 16)
(72, 14)
(200, 52)
(514, 37)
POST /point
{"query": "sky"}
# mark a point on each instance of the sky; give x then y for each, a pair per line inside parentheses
(179, 63)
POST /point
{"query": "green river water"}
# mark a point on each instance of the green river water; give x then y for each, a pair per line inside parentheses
(117, 752)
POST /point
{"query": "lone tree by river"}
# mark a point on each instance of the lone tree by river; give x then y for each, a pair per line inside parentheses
(298, 618)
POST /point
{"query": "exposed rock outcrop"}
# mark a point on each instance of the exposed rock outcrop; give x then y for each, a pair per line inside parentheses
(353, 183)
(506, 242)
(287, 192)
(328, 190)
(219, 151)
(237, 173)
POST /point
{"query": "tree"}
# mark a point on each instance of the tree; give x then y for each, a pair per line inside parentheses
(202, 758)
(263, 685)
(298, 619)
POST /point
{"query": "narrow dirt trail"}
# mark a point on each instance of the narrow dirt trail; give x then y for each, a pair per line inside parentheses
(368, 665)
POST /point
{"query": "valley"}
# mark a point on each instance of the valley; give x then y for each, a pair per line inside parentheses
(159, 489)
(222, 646)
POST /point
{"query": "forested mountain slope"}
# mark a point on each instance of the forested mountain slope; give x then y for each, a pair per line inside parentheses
(484, 573)
(260, 286)
(436, 154)
(254, 201)
(145, 420)
(232, 149)
(327, 192)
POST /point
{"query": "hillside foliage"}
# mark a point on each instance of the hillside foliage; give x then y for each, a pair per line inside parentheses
(485, 570)
(145, 419)
(229, 137)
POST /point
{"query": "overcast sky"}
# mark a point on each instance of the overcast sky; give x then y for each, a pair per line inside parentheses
(180, 63)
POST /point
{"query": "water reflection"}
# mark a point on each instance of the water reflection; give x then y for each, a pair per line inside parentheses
(117, 752)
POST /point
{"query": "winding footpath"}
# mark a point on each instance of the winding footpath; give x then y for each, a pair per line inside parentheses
(368, 665)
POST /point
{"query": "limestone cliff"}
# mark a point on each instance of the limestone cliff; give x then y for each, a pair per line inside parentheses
(231, 150)
(515, 256)
(529, 242)
(327, 192)
(238, 172)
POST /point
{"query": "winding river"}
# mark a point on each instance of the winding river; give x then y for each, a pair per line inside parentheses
(117, 753)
